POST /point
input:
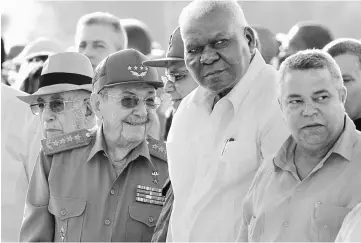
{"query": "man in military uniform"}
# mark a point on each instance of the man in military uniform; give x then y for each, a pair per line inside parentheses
(64, 89)
(104, 184)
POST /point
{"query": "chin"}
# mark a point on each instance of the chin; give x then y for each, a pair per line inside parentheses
(135, 138)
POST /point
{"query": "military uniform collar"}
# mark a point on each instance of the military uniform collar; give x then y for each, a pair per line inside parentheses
(145, 149)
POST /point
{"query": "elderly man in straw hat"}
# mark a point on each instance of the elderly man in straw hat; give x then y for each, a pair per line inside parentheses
(63, 98)
(103, 185)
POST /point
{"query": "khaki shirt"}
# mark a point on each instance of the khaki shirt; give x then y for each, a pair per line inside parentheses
(281, 207)
(74, 195)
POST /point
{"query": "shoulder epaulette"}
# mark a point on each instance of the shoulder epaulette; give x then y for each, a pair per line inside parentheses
(67, 141)
(157, 148)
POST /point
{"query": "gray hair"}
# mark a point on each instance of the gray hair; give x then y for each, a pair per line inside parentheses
(312, 59)
(199, 8)
(106, 19)
(344, 46)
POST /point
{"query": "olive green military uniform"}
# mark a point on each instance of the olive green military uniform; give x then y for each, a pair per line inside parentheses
(76, 195)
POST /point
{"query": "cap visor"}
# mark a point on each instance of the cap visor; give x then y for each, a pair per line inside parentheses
(52, 89)
(162, 62)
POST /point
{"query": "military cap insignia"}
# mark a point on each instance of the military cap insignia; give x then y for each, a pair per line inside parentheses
(157, 148)
(138, 71)
(151, 195)
(66, 142)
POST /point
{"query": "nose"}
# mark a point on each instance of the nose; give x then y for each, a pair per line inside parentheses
(209, 56)
(47, 115)
(88, 51)
(141, 109)
(309, 110)
(169, 87)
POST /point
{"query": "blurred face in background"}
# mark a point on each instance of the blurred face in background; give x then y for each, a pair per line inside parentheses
(178, 82)
(350, 67)
(96, 41)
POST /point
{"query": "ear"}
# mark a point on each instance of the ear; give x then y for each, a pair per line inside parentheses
(95, 104)
(343, 94)
(88, 108)
(249, 35)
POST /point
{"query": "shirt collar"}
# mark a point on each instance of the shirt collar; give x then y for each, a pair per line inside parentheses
(343, 146)
(99, 145)
(346, 142)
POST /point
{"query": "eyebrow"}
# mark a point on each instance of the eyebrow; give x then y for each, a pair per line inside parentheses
(99, 42)
(129, 92)
(347, 76)
(56, 97)
(320, 92)
(292, 96)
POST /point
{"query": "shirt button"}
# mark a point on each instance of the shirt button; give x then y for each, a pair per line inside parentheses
(298, 189)
(107, 222)
(151, 219)
(112, 191)
(319, 202)
(325, 226)
(63, 212)
(285, 224)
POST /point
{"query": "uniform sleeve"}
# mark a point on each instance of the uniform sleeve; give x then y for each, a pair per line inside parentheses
(38, 224)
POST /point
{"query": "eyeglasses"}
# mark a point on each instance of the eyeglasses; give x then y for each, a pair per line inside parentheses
(56, 106)
(131, 101)
(174, 77)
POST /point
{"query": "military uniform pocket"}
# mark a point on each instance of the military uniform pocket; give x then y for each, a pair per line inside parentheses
(141, 221)
(69, 217)
(326, 221)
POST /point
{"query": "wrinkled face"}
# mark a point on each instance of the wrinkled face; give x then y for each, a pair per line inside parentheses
(312, 107)
(351, 73)
(127, 124)
(97, 41)
(71, 119)
(179, 82)
(217, 51)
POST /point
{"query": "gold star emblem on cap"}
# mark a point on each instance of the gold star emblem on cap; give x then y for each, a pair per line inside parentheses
(138, 73)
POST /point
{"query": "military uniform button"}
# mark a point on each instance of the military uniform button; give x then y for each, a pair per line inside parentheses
(112, 191)
(107, 222)
(63, 212)
(151, 219)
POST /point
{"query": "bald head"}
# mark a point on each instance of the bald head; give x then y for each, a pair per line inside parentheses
(200, 9)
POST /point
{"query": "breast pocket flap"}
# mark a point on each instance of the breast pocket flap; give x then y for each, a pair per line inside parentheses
(145, 213)
(65, 208)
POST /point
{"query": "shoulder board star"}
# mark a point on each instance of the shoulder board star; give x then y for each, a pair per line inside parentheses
(67, 141)
(157, 148)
